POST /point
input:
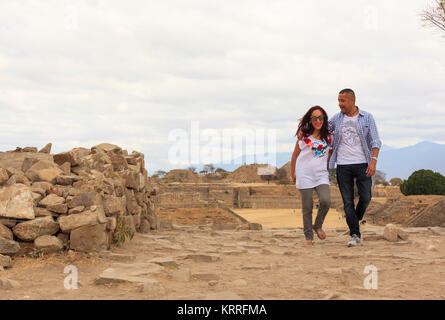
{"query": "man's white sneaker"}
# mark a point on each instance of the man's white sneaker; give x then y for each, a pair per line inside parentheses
(355, 241)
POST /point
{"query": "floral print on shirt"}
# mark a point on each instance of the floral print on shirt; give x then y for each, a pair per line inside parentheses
(319, 148)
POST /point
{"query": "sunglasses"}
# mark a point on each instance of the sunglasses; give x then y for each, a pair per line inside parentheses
(321, 118)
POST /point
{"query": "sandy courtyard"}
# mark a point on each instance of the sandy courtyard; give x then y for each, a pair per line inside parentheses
(289, 218)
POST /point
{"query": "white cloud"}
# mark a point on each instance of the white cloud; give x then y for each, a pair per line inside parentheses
(77, 73)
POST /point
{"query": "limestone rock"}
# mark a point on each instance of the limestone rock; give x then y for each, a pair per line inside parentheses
(51, 200)
(5, 261)
(48, 175)
(107, 147)
(42, 212)
(66, 180)
(144, 227)
(117, 256)
(66, 168)
(76, 210)
(85, 199)
(70, 222)
(4, 177)
(12, 180)
(38, 189)
(164, 261)
(90, 238)
(32, 172)
(6, 284)
(8, 247)
(41, 185)
(204, 257)
(205, 276)
(29, 149)
(111, 224)
(46, 149)
(8, 222)
(226, 226)
(182, 275)
(255, 226)
(114, 205)
(28, 163)
(16, 202)
(132, 206)
(30, 230)
(390, 233)
(48, 244)
(58, 208)
(73, 156)
(402, 234)
(118, 161)
(5, 232)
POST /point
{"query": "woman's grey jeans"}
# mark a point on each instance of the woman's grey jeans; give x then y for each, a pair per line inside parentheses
(324, 196)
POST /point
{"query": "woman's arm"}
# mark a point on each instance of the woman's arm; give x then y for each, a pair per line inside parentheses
(329, 156)
(294, 160)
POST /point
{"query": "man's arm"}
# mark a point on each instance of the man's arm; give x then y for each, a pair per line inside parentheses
(376, 144)
(370, 171)
(331, 124)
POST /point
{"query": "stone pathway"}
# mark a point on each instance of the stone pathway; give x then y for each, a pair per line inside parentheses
(201, 263)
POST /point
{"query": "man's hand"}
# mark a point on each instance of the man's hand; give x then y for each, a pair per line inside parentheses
(370, 171)
(294, 177)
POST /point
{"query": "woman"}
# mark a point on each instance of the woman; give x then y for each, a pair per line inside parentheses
(309, 168)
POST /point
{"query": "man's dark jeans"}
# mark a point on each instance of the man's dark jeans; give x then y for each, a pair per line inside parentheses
(346, 174)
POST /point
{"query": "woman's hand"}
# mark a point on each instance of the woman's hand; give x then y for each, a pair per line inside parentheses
(294, 177)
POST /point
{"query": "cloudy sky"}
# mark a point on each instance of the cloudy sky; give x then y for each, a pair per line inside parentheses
(136, 73)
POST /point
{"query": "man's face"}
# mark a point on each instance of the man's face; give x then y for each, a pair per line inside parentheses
(346, 102)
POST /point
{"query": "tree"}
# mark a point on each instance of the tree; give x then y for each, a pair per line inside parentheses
(424, 182)
(220, 170)
(380, 178)
(209, 168)
(160, 173)
(192, 169)
(396, 181)
(434, 16)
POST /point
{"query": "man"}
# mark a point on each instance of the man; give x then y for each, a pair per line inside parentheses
(356, 148)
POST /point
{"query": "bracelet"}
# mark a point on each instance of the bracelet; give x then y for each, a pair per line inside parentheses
(375, 158)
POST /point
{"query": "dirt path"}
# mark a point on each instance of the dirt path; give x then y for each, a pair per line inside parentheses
(198, 263)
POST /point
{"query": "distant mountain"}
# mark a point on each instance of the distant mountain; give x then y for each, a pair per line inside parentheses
(394, 162)
(403, 162)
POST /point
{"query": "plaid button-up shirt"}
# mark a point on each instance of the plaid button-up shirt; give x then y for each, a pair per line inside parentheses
(367, 131)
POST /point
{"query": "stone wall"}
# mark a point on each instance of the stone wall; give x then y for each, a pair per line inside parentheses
(76, 199)
(227, 195)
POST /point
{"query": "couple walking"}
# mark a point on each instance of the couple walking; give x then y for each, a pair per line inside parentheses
(350, 140)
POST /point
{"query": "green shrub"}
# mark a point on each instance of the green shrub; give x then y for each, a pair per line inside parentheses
(122, 232)
(424, 182)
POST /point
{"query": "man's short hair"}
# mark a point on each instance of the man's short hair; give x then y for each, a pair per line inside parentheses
(349, 92)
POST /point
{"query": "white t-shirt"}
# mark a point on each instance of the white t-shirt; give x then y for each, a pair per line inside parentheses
(311, 168)
(350, 150)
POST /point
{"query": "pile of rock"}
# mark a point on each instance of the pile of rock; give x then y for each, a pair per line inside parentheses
(393, 233)
(76, 199)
